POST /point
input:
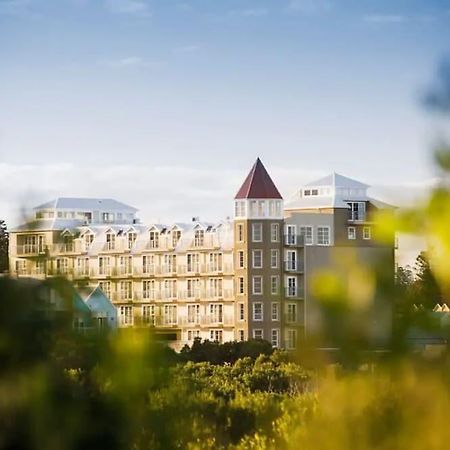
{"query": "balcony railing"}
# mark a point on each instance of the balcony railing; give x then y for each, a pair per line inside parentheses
(293, 292)
(30, 249)
(293, 266)
(294, 240)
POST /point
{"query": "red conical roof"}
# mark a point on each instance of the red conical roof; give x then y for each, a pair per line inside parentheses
(258, 184)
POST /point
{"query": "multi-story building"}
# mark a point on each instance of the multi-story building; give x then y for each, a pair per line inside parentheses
(233, 280)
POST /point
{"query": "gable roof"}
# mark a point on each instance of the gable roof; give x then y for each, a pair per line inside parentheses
(86, 204)
(258, 184)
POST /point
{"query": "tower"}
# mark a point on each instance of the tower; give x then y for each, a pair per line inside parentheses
(258, 243)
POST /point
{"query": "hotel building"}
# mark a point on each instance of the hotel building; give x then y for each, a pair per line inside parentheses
(233, 280)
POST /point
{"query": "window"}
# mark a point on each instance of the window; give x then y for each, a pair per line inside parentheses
(241, 285)
(258, 334)
(125, 265)
(291, 290)
(170, 314)
(104, 265)
(193, 334)
(194, 314)
(131, 239)
(291, 238)
(40, 266)
(148, 289)
(126, 291)
(257, 232)
(241, 311)
(275, 311)
(307, 192)
(261, 208)
(257, 259)
(193, 288)
(199, 238)
(215, 262)
(291, 341)
(367, 233)
(148, 264)
(351, 233)
(107, 217)
(105, 286)
(170, 289)
(241, 335)
(110, 241)
(21, 267)
(176, 235)
(193, 262)
(170, 263)
(357, 211)
(240, 232)
(62, 266)
(216, 335)
(323, 235)
(215, 287)
(257, 285)
(307, 232)
(274, 284)
(291, 262)
(253, 208)
(314, 192)
(275, 337)
(82, 266)
(126, 315)
(216, 313)
(257, 312)
(148, 314)
(291, 315)
(274, 259)
(154, 239)
(241, 263)
(239, 208)
(275, 232)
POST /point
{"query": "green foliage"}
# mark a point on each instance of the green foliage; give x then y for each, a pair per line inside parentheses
(228, 352)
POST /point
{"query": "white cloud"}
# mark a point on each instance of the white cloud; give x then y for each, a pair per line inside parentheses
(309, 7)
(130, 61)
(385, 18)
(132, 7)
(190, 48)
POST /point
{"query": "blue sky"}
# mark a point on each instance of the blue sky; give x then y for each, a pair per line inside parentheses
(193, 91)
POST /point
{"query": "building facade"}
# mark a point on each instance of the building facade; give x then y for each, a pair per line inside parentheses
(233, 280)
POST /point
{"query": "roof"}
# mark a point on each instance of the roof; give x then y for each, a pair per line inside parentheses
(258, 184)
(49, 225)
(337, 180)
(86, 204)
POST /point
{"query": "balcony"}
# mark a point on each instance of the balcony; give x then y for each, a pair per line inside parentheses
(146, 296)
(217, 320)
(215, 294)
(30, 249)
(294, 292)
(294, 240)
(294, 266)
(219, 268)
(168, 269)
(122, 297)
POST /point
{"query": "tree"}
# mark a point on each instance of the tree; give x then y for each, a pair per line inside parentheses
(426, 287)
(4, 243)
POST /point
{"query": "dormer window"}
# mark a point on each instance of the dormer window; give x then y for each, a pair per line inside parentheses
(110, 241)
(176, 235)
(131, 239)
(154, 239)
(199, 238)
(88, 239)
